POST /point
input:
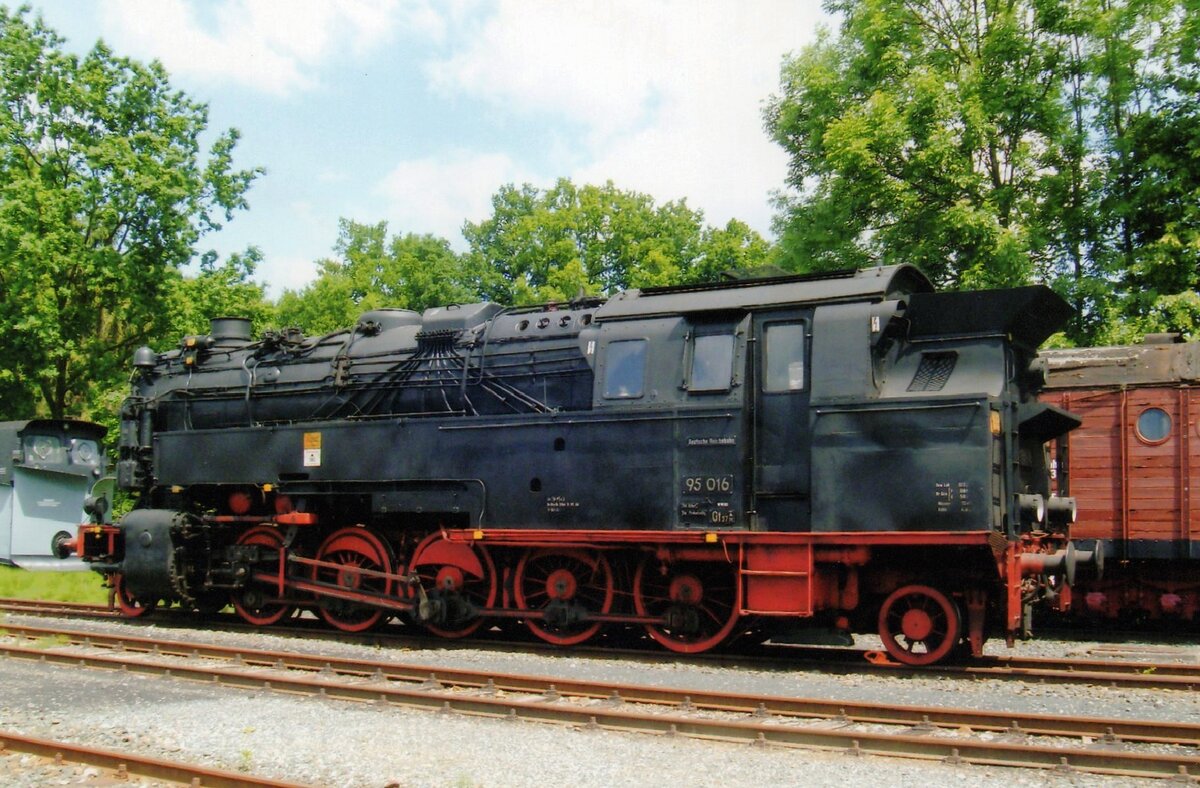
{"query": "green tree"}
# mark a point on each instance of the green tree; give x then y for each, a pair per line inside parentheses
(408, 272)
(994, 143)
(916, 135)
(1149, 116)
(104, 194)
(190, 302)
(551, 245)
(218, 290)
(733, 249)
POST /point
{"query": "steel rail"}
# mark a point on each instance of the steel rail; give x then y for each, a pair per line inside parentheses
(1158, 675)
(598, 715)
(925, 718)
(127, 763)
(48, 607)
(1097, 672)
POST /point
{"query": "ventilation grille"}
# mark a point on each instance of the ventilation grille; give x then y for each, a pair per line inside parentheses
(934, 371)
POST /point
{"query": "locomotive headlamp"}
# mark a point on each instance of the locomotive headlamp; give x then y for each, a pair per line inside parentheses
(1062, 511)
(96, 506)
(84, 452)
(1033, 507)
(43, 448)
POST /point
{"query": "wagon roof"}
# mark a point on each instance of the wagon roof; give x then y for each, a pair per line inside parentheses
(871, 284)
(1125, 365)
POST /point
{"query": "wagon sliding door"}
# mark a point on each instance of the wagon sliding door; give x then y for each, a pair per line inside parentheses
(1158, 452)
(1131, 466)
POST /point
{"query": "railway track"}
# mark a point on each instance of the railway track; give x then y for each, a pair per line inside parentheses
(51, 608)
(1140, 672)
(124, 764)
(1106, 746)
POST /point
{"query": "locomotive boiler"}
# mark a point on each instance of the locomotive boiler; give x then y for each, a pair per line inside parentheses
(848, 450)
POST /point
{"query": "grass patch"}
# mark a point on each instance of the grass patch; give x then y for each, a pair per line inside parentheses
(51, 641)
(52, 586)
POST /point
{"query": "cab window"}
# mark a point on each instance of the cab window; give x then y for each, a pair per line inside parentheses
(625, 369)
(712, 363)
(784, 357)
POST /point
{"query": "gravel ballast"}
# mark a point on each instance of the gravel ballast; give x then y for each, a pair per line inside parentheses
(335, 743)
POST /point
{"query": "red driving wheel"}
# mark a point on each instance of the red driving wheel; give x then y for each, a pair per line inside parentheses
(255, 602)
(461, 578)
(697, 601)
(353, 550)
(565, 580)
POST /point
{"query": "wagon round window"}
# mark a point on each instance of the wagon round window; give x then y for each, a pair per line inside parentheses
(1154, 425)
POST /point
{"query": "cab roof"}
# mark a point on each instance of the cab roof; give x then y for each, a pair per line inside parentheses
(871, 284)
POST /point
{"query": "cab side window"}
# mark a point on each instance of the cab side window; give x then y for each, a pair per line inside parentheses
(712, 363)
(625, 369)
(784, 357)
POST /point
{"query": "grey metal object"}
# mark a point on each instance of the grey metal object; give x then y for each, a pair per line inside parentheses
(48, 469)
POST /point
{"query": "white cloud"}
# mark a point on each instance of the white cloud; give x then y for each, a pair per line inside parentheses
(329, 175)
(669, 94)
(273, 46)
(725, 167)
(585, 62)
(437, 194)
(284, 272)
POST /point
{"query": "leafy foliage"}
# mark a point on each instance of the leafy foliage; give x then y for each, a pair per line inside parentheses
(370, 272)
(997, 143)
(537, 246)
(104, 194)
(219, 290)
(556, 244)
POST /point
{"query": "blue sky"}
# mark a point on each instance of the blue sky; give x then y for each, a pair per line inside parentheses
(416, 112)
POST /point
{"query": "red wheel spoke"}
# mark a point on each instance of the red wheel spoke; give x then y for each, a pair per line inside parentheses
(566, 586)
(935, 629)
(704, 614)
(468, 593)
(253, 603)
(129, 605)
(354, 548)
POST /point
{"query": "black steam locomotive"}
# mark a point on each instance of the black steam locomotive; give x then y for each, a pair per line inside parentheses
(849, 450)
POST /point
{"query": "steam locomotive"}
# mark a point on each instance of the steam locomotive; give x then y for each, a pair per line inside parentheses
(847, 450)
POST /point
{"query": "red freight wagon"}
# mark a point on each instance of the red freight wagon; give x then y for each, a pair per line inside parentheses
(1132, 466)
